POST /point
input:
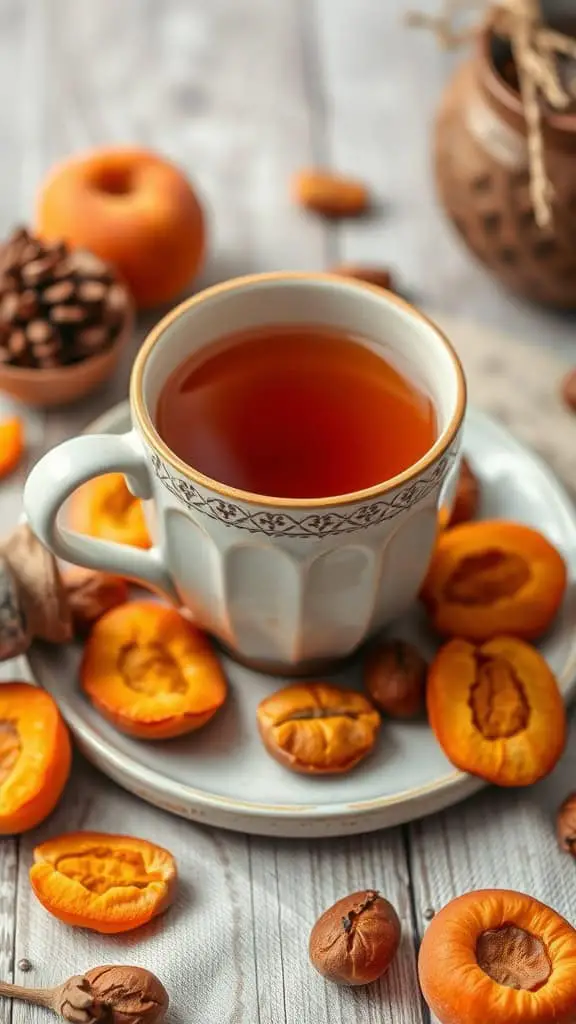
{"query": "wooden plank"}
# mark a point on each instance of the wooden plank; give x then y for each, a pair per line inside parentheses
(201, 949)
(292, 884)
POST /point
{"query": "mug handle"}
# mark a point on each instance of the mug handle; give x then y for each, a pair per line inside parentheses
(68, 466)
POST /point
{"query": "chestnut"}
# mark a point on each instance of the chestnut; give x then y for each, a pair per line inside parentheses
(355, 941)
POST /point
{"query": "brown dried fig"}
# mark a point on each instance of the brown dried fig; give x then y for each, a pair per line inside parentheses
(91, 593)
(395, 678)
(355, 941)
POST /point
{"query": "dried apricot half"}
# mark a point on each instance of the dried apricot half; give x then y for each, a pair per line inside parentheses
(151, 672)
(107, 883)
(11, 444)
(35, 756)
(318, 729)
(496, 956)
(105, 508)
(494, 577)
(496, 710)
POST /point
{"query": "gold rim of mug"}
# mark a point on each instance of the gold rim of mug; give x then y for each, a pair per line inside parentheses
(145, 422)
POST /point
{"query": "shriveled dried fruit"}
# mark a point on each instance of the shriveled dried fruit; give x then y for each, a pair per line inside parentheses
(566, 824)
(355, 941)
(318, 729)
(395, 678)
(331, 195)
(90, 594)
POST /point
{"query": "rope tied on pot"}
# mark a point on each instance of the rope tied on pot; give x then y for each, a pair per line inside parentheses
(535, 49)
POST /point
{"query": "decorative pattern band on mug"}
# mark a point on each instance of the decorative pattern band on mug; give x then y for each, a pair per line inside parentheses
(314, 524)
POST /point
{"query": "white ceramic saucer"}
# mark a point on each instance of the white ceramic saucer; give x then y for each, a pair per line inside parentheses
(222, 775)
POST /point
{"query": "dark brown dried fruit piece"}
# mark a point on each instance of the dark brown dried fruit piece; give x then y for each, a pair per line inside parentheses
(467, 496)
(379, 276)
(566, 825)
(395, 678)
(355, 941)
(91, 593)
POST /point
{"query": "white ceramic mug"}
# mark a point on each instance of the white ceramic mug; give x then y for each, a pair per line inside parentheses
(286, 585)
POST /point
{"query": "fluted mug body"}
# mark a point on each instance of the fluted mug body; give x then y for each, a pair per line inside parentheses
(286, 585)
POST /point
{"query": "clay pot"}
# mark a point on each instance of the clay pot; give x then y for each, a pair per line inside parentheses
(481, 167)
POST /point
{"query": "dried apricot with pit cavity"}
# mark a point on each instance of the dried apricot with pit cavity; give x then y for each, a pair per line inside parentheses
(35, 756)
(494, 577)
(107, 883)
(496, 956)
(318, 729)
(105, 508)
(496, 710)
(150, 672)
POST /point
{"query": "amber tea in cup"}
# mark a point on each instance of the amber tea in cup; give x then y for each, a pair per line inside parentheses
(294, 412)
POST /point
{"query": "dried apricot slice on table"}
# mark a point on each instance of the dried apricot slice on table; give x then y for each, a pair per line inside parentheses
(318, 729)
(35, 756)
(496, 956)
(105, 508)
(151, 672)
(107, 883)
(494, 577)
(496, 710)
(11, 444)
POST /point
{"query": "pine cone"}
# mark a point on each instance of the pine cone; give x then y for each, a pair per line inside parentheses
(57, 306)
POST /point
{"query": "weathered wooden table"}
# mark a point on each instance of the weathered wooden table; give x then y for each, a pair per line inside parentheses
(241, 93)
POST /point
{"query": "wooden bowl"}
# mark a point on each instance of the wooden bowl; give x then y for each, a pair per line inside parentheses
(65, 384)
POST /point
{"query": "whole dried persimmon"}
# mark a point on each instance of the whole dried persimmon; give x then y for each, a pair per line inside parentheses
(150, 672)
(107, 883)
(318, 729)
(105, 508)
(35, 756)
(11, 444)
(496, 956)
(496, 710)
(494, 577)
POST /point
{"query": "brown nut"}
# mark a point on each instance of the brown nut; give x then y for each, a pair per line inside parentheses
(395, 678)
(90, 594)
(355, 941)
(467, 497)
(566, 825)
(380, 276)
(330, 195)
(318, 729)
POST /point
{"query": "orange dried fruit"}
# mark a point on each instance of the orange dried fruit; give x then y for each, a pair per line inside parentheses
(11, 444)
(318, 729)
(108, 883)
(496, 710)
(105, 508)
(494, 577)
(35, 756)
(329, 194)
(496, 956)
(150, 672)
